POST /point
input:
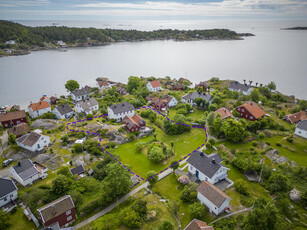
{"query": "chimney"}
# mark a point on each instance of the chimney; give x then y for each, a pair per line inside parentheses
(213, 160)
(19, 163)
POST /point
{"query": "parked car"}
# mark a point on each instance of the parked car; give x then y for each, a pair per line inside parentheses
(7, 162)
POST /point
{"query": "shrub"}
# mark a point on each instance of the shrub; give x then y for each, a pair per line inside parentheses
(151, 176)
(78, 148)
(155, 154)
(261, 135)
(254, 143)
(290, 139)
(208, 145)
(189, 193)
(241, 186)
(197, 210)
(278, 144)
(89, 116)
(166, 225)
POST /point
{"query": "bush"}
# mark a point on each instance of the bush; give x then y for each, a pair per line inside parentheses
(155, 154)
(151, 176)
(261, 135)
(89, 116)
(166, 225)
(189, 193)
(278, 144)
(197, 210)
(78, 148)
(131, 137)
(254, 143)
(290, 139)
(208, 145)
(47, 116)
(241, 186)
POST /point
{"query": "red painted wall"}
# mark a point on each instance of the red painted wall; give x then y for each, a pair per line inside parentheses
(62, 219)
(246, 112)
(8, 124)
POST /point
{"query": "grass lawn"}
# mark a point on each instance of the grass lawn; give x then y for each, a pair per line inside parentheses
(183, 145)
(198, 114)
(18, 221)
(171, 189)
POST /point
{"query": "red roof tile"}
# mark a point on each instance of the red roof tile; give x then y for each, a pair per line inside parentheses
(296, 117)
(12, 115)
(39, 105)
(155, 83)
(254, 109)
(223, 112)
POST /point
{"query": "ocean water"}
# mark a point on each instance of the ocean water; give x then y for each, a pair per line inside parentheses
(272, 55)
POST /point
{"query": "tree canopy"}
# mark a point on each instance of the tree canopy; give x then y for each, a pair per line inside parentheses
(71, 85)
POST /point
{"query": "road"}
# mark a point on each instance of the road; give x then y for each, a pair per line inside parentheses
(121, 200)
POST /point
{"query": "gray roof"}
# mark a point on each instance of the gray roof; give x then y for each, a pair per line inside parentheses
(6, 186)
(204, 163)
(25, 169)
(64, 109)
(76, 171)
(302, 125)
(88, 103)
(83, 91)
(234, 85)
(121, 107)
(29, 139)
(194, 95)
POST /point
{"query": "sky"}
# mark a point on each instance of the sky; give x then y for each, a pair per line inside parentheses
(118, 10)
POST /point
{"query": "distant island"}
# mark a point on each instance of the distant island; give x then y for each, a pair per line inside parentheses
(17, 39)
(295, 28)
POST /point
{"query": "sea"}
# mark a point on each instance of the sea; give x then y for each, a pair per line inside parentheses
(272, 54)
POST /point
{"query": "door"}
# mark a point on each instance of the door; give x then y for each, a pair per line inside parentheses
(196, 173)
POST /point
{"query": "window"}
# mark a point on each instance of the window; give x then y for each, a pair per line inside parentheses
(241, 114)
(5, 199)
(246, 115)
(242, 110)
(251, 117)
(191, 167)
(68, 212)
(11, 195)
(239, 109)
(69, 218)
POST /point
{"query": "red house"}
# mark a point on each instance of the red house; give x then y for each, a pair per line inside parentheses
(13, 118)
(202, 84)
(178, 87)
(250, 111)
(224, 112)
(61, 211)
(159, 104)
(134, 123)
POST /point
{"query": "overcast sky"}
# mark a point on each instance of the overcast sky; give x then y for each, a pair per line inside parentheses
(118, 10)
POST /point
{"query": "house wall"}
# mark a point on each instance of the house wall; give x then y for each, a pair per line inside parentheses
(173, 102)
(62, 219)
(151, 89)
(8, 124)
(79, 109)
(220, 175)
(23, 182)
(133, 128)
(248, 92)
(245, 113)
(79, 98)
(38, 113)
(8, 197)
(300, 132)
(211, 206)
(119, 116)
(64, 116)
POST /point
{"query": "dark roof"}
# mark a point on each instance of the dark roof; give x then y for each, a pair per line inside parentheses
(19, 130)
(121, 107)
(198, 225)
(29, 139)
(212, 193)
(12, 115)
(302, 125)
(56, 208)
(83, 91)
(76, 171)
(6, 186)
(238, 86)
(194, 95)
(88, 103)
(25, 169)
(204, 163)
(64, 109)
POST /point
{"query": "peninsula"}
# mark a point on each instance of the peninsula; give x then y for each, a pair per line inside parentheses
(17, 39)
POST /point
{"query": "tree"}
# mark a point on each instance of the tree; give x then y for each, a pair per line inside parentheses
(151, 177)
(133, 83)
(131, 218)
(61, 185)
(117, 182)
(278, 183)
(272, 86)
(12, 139)
(212, 107)
(262, 217)
(4, 219)
(64, 171)
(233, 130)
(255, 95)
(189, 193)
(217, 124)
(199, 101)
(166, 225)
(172, 145)
(241, 186)
(216, 100)
(175, 207)
(304, 199)
(77, 197)
(175, 165)
(65, 138)
(210, 118)
(155, 154)
(71, 85)
(200, 90)
(197, 210)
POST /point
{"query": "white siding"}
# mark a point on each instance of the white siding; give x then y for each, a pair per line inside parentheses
(39, 145)
(300, 132)
(79, 98)
(59, 116)
(8, 197)
(151, 89)
(21, 181)
(38, 113)
(119, 116)
(173, 102)
(211, 206)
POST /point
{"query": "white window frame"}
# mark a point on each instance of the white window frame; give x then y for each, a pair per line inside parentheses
(69, 218)
(68, 212)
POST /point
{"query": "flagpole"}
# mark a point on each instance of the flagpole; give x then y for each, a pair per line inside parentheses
(261, 171)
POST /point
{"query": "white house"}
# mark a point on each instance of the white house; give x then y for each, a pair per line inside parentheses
(26, 172)
(119, 111)
(33, 141)
(63, 111)
(212, 197)
(190, 97)
(238, 87)
(171, 101)
(154, 86)
(8, 193)
(81, 94)
(45, 98)
(39, 108)
(207, 167)
(87, 106)
(301, 129)
(10, 42)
